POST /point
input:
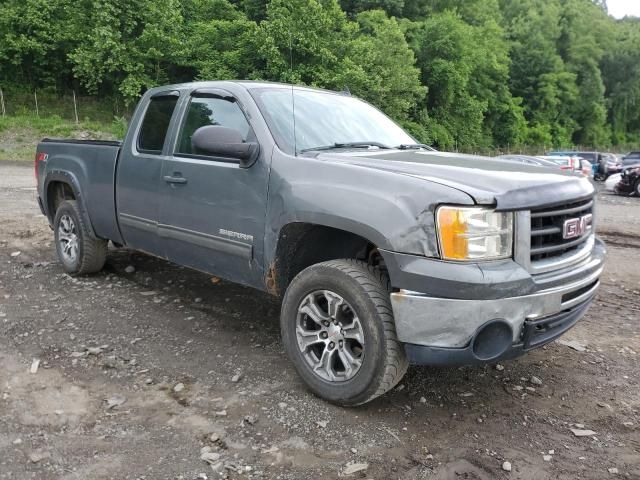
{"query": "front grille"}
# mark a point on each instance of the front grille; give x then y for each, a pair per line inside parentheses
(547, 229)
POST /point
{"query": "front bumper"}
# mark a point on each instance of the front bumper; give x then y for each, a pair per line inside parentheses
(535, 333)
(455, 331)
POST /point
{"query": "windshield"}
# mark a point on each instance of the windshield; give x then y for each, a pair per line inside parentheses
(325, 119)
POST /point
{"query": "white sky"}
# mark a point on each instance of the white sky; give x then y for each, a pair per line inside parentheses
(620, 8)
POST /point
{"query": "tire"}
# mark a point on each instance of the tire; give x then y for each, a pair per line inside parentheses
(360, 294)
(79, 251)
(637, 189)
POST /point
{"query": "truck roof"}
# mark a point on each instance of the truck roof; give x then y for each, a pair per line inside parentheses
(248, 84)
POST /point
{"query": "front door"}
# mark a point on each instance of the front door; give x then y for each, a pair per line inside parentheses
(213, 211)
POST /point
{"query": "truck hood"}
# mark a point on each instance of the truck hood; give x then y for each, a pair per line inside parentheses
(489, 181)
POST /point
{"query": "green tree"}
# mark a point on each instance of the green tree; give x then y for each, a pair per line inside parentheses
(584, 37)
(538, 73)
(128, 45)
(621, 74)
(255, 10)
(444, 46)
(220, 43)
(391, 7)
(34, 40)
(314, 43)
(383, 66)
(305, 41)
(464, 56)
(504, 123)
(466, 73)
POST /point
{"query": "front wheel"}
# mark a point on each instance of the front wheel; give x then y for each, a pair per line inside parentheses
(338, 329)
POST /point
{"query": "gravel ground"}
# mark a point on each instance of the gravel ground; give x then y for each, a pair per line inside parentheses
(141, 374)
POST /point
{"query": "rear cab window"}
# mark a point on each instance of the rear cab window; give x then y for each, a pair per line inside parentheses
(211, 110)
(155, 123)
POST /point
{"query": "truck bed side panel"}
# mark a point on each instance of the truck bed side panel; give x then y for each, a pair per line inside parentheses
(92, 165)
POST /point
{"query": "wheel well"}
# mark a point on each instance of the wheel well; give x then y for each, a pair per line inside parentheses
(301, 245)
(58, 192)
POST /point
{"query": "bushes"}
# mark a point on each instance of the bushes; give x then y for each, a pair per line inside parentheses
(466, 73)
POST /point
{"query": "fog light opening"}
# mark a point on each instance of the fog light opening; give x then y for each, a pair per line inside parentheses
(492, 340)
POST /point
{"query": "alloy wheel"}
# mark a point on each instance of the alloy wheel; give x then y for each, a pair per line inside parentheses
(330, 336)
(68, 239)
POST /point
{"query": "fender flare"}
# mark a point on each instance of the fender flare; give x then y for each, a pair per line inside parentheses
(71, 180)
(332, 221)
(273, 277)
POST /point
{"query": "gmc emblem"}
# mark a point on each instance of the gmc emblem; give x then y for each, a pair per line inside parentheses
(576, 227)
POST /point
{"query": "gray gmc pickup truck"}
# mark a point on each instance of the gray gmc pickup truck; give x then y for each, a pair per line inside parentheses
(385, 252)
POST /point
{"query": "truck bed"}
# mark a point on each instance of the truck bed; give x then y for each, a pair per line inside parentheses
(92, 164)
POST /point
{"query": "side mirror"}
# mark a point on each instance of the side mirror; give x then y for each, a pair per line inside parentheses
(224, 142)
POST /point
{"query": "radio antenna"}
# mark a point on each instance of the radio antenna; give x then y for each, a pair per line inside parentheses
(293, 100)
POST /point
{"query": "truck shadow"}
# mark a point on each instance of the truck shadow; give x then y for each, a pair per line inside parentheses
(445, 393)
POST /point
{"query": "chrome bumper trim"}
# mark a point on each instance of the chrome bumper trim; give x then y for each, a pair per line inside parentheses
(451, 323)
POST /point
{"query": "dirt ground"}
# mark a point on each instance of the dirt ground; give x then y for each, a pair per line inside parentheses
(139, 371)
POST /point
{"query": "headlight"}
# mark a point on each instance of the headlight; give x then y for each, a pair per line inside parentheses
(474, 233)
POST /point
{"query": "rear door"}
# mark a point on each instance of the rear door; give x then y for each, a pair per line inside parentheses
(139, 174)
(213, 211)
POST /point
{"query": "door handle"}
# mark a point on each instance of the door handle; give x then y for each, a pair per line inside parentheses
(170, 179)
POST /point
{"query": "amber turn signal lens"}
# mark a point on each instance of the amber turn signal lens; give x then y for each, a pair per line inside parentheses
(452, 226)
(474, 233)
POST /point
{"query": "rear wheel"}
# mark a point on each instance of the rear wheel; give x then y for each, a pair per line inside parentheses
(338, 329)
(78, 250)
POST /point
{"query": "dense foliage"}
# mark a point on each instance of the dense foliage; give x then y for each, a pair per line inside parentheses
(470, 73)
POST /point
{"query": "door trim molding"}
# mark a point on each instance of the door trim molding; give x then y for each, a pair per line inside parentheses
(139, 223)
(212, 242)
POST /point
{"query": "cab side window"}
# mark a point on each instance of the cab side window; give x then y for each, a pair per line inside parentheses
(155, 124)
(203, 111)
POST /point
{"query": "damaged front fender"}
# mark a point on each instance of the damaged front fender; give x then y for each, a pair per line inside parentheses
(395, 212)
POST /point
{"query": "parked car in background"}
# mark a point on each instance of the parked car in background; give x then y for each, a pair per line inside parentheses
(629, 183)
(529, 160)
(587, 168)
(614, 166)
(603, 164)
(568, 153)
(599, 162)
(611, 182)
(592, 157)
(565, 162)
(631, 158)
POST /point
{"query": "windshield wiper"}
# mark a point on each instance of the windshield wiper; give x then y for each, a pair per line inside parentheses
(411, 146)
(346, 145)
